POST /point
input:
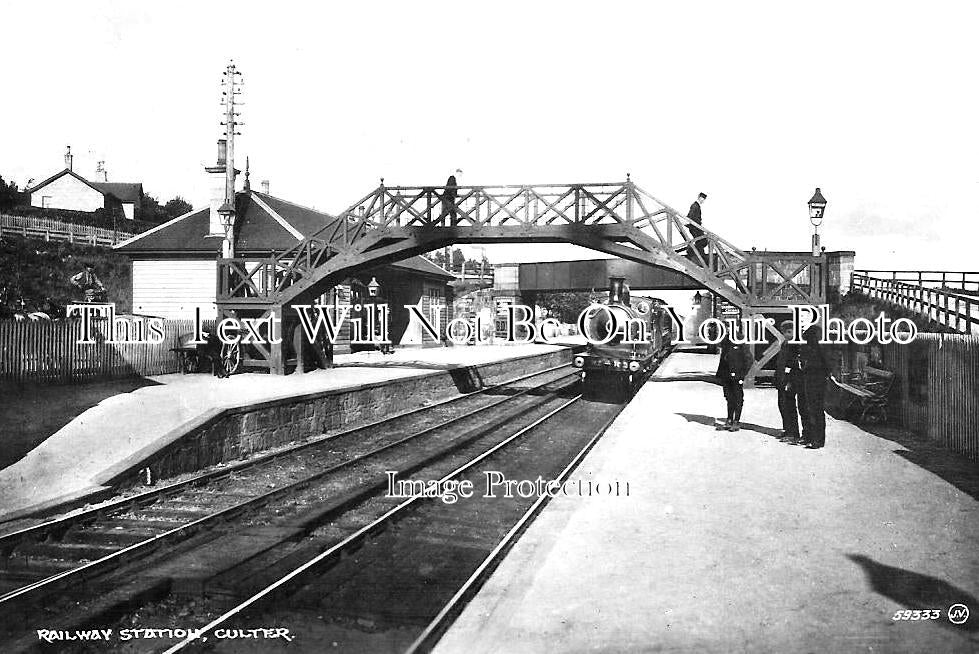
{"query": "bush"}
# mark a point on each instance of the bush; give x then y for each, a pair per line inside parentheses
(34, 270)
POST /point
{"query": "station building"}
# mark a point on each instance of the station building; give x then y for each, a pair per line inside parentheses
(174, 265)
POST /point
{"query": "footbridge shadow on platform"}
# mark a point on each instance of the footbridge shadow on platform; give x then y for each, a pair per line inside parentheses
(917, 591)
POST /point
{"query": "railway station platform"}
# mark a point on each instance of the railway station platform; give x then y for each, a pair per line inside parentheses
(736, 541)
(73, 463)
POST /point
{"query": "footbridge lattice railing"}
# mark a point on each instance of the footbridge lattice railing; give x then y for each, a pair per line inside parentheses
(394, 222)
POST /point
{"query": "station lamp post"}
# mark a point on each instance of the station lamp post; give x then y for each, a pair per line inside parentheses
(817, 208)
(227, 214)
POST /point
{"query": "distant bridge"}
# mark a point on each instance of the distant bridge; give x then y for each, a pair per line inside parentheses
(592, 274)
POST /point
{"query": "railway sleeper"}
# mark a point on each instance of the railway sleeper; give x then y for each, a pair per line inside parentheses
(108, 534)
(66, 550)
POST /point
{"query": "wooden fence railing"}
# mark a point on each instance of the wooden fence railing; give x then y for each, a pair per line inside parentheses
(56, 230)
(957, 311)
(965, 280)
(50, 352)
(936, 391)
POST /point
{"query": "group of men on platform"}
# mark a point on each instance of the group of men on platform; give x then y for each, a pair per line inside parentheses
(801, 372)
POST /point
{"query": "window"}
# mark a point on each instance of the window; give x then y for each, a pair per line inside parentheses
(46, 201)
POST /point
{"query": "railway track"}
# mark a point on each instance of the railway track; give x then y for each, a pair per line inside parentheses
(396, 581)
(57, 555)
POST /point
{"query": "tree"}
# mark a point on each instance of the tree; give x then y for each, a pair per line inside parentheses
(458, 259)
(566, 306)
(177, 207)
(150, 210)
(8, 194)
(437, 257)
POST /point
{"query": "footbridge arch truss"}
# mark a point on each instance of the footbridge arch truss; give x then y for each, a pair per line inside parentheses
(395, 222)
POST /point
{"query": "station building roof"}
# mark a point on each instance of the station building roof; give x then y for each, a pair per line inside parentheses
(264, 224)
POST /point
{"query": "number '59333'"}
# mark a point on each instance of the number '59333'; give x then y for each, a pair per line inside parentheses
(927, 614)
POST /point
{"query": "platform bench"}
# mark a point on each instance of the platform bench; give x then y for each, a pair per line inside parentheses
(869, 396)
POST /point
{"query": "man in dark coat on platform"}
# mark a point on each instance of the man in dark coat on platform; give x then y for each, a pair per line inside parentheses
(789, 382)
(733, 366)
(815, 372)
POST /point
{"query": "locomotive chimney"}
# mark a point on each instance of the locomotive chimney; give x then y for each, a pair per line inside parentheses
(615, 288)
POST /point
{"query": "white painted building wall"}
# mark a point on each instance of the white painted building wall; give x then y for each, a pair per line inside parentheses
(67, 192)
(129, 210)
(173, 288)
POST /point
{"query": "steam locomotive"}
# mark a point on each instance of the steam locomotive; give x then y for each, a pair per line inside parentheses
(610, 365)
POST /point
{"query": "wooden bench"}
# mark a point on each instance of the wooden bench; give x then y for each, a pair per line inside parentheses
(870, 395)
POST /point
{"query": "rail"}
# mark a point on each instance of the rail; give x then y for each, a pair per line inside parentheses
(954, 310)
(56, 230)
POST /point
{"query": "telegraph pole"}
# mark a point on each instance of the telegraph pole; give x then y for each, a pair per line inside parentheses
(232, 83)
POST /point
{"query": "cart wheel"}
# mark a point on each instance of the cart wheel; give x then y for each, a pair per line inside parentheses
(230, 358)
(192, 363)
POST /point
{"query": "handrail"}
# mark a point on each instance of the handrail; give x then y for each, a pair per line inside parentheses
(950, 309)
(963, 279)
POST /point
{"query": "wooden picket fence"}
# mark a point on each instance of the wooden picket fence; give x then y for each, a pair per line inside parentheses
(46, 351)
(56, 230)
(936, 391)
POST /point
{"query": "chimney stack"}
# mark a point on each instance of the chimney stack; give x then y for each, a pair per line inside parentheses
(217, 183)
(618, 291)
(265, 186)
(222, 152)
(69, 158)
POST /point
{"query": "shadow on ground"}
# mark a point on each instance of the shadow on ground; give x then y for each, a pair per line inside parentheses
(688, 375)
(954, 468)
(30, 413)
(710, 421)
(917, 591)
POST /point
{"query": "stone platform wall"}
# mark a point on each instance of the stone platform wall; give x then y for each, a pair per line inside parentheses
(235, 433)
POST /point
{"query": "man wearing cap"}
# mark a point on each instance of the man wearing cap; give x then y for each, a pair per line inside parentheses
(695, 232)
(88, 282)
(788, 381)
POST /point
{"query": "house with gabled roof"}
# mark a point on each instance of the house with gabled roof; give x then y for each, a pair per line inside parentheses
(174, 265)
(69, 190)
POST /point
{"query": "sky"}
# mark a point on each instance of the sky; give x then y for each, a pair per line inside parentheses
(753, 103)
